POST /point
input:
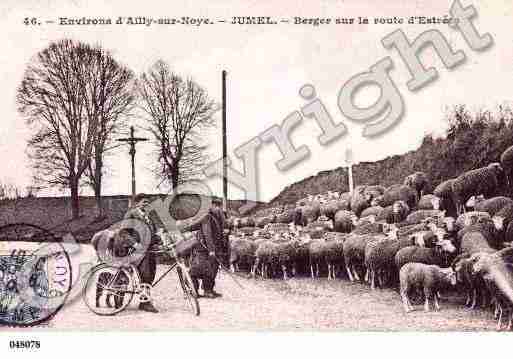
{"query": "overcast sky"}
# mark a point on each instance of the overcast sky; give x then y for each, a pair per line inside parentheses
(266, 67)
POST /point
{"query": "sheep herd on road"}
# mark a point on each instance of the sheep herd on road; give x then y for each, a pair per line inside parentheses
(406, 236)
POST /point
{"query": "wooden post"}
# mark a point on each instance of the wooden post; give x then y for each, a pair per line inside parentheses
(225, 150)
(349, 163)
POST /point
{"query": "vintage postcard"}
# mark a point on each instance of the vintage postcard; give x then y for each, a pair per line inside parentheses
(341, 166)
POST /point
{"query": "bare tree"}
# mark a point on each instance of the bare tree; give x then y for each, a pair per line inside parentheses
(109, 101)
(51, 97)
(178, 111)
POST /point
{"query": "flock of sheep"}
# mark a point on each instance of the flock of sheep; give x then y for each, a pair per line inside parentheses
(408, 235)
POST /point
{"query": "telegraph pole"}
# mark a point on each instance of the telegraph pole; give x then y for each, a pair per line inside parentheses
(132, 141)
(225, 150)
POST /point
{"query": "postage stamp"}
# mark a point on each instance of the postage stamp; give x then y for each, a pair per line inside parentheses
(35, 280)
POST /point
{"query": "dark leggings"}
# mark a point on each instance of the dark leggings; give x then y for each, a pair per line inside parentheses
(148, 268)
(205, 268)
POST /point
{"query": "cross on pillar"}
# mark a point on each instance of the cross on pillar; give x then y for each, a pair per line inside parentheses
(132, 141)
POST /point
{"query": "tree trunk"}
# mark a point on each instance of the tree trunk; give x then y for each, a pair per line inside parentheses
(75, 204)
(174, 178)
(98, 188)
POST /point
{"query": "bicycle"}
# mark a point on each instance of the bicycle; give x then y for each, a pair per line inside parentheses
(121, 283)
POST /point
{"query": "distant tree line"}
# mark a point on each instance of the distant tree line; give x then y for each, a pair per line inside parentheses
(472, 140)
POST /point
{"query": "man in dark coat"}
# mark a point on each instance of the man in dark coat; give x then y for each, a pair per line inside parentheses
(148, 265)
(205, 256)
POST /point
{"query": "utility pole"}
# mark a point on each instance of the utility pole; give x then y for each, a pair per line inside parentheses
(132, 141)
(225, 150)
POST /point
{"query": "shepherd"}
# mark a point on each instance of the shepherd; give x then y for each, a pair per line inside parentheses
(206, 254)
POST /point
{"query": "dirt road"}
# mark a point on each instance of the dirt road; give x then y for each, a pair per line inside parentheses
(296, 304)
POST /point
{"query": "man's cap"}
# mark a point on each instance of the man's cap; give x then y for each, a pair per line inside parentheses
(217, 201)
(141, 199)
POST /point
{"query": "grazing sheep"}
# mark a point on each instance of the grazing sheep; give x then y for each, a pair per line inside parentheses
(311, 212)
(247, 222)
(367, 227)
(473, 201)
(427, 278)
(493, 205)
(430, 201)
(329, 209)
(283, 256)
(354, 254)
(277, 227)
(346, 196)
(242, 251)
(444, 192)
(412, 228)
(474, 285)
(264, 258)
(423, 214)
(507, 163)
(468, 218)
(374, 191)
(360, 200)
(316, 255)
(381, 259)
(398, 193)
(419, 182)
(374, 261)
(484, 180)
(395, 213)
(497, 271)
(334, 252)
(474, 242)
(299, 220)
(287, 216)
(261, 222)
(245, 231)
(372, 211)
(343, 222)
(492, 229)
(437, 255)
(322, 221)
(506, 213)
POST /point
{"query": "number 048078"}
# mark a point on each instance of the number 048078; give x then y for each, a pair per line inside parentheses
(24, 344)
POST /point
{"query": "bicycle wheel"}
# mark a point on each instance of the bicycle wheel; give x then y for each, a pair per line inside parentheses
(109, 289)
(190, 294)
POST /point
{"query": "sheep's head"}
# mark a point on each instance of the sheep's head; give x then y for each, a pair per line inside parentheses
(449, 275)
(446, 245)
(354, 219)
(390, 230)
(372, 218)
(470, 220)
(449, 223)
(435, 202)
(480, 262)
(377, 201)
(431, 224)
(498, 222)
(418, 239)
(409, 181)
